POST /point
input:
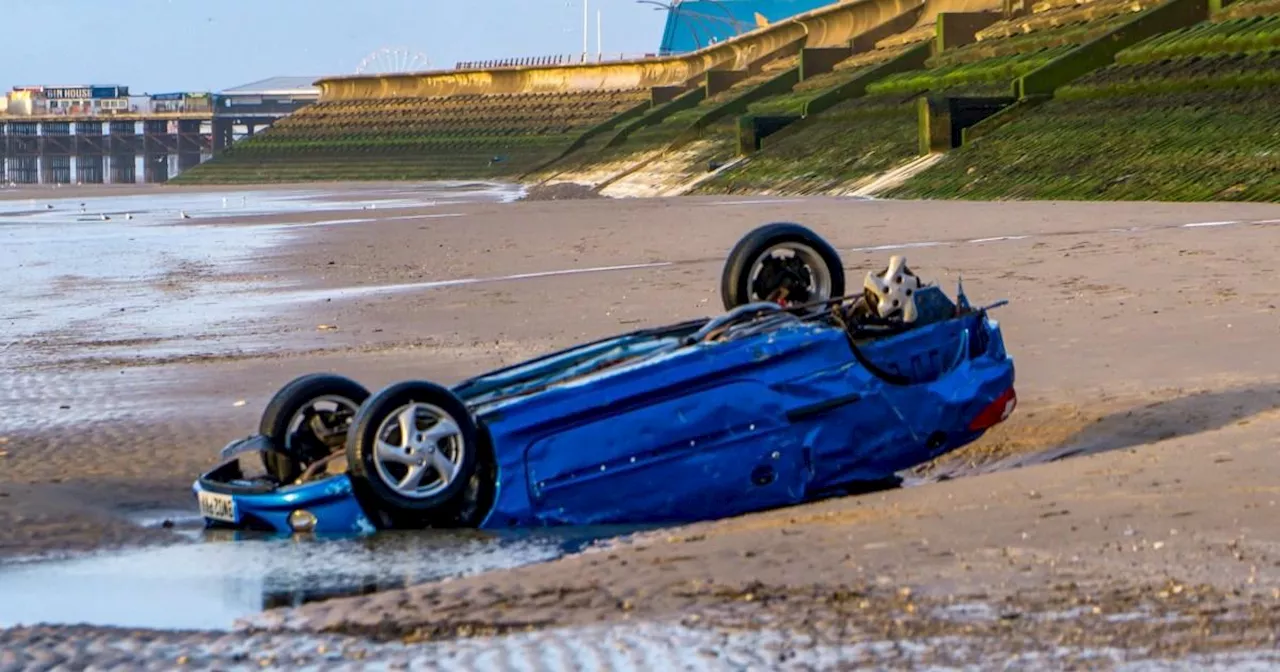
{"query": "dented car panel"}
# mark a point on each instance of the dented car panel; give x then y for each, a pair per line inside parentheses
(648, 428)
(798, 391)
(717, 429)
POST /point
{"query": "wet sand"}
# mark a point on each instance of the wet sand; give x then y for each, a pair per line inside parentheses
(1146, 372)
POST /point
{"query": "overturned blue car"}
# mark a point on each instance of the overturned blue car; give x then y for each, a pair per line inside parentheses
(798, 392)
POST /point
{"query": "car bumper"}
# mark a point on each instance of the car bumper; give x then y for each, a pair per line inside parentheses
(324, 507)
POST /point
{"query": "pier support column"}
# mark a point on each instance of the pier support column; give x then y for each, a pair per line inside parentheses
(87, 168)
(155, 169)
(223, 135)
(124, 169)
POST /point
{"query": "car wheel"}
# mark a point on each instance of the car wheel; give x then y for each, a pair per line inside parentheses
(470, 508)
(781, 263)
(307, 420)
(412, 450)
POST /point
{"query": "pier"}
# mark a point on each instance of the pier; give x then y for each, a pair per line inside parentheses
(101, 135)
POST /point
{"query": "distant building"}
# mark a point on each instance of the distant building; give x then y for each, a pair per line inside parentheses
(198, 102)
(76, 101)
(239, 111)
(694, 24)
(268, 98)
(96, 134)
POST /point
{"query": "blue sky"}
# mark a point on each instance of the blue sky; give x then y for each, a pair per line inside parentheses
(157, 46)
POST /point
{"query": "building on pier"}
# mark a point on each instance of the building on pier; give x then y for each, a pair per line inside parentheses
(241, 110)
(95, 134)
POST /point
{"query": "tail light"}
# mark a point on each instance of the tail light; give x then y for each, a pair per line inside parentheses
(995, 412)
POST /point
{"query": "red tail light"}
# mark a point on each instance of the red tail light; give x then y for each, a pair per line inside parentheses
(995, 412)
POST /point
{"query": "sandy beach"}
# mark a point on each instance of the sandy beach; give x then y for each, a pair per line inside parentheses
(1134, 489)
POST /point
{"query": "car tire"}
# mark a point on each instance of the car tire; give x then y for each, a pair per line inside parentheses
(294, 451)
(735, 280)
(470, 508)
(382, 479)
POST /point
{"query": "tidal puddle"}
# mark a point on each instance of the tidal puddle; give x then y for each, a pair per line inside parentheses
(131, 269)
(78, 290)
(159, 206)
(227, 576)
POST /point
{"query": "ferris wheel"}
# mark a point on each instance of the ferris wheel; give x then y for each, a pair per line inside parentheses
(389, 60)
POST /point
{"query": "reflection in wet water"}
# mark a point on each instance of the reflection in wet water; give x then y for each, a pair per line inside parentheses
(226, 576)
(158, 206)
(147, 283)
(138, 275)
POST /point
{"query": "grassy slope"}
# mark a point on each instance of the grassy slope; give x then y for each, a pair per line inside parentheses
(645, 141)
(863, 137)
(501, 143)
(852, 140)
(1178, 118)
(1193, 145)
(1190, 115)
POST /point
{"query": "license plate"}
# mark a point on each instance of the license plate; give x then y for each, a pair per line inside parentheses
(217, 506)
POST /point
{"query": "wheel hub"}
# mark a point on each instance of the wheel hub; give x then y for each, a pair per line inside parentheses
(790, 273)
(320, 427)
(783, 281)
(419, 450)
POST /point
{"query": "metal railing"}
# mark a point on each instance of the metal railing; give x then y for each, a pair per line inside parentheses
(556, 59)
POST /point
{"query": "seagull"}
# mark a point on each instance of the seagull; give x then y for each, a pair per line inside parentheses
(184, 214)
(49, 206)
(104, 216)
(128, 215)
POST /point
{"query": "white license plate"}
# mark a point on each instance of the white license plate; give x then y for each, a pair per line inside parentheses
(217, 506)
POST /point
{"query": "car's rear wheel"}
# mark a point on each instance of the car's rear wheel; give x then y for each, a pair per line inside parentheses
(307, 420)
(412, 452)
(781, 263)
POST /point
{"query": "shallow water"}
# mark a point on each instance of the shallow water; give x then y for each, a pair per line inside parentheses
(75, 288)
(245, 203)
(225, 576)
(68, 276)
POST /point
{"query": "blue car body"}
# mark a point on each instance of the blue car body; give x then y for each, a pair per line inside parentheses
(648, 428)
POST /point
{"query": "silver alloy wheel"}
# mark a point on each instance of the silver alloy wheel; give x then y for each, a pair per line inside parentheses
(819, 275)
(413, 441)
(328, 403)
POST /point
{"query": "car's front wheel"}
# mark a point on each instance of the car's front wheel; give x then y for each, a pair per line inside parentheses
(782, 263)
(307, 420)
(412, 451)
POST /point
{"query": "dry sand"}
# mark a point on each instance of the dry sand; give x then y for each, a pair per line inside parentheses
(1145, 354)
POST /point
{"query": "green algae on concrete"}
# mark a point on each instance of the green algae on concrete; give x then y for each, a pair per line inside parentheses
(991, 74)
(1259, 34)
(458, 137)
(1184, 146)
(688, 119)
(1186, 115)
(855, 139)
(1258, 70)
